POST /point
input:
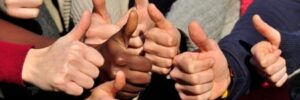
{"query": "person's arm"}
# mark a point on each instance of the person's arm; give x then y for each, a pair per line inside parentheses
(15, 34)
(237, 45)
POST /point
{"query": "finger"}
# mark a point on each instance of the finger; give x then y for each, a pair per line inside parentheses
(282, 81)
(276, 77)
(135, 42)
(88, 69)
(126, 32)
(192, 79)
(100, 8)
(24, 3)
(93, 56)
(162, 51)
(80, 79)
(131, 88)
(268, 59)
(266, 30)
(72, 88)
(160, 70)
(191, 65)
(24, 13)
(135, 51)
(80, 29)
(159, 61)
(138, 78)
(198, 36)
(138, 63)
(194, 89)
(158, 18)
(276, 67)
(161, 37)
(141, 3)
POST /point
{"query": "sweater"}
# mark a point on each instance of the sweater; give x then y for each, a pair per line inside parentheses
(11, 63)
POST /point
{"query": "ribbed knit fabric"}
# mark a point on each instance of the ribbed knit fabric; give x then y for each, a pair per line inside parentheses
(66, 13)
(217, 17)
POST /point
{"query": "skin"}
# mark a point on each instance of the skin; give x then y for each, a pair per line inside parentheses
(267, 55)
(24, 9)
(202, 74)
(74, 67)
(117, 58)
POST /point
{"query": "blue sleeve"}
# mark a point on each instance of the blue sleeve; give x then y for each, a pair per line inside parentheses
(280, 14)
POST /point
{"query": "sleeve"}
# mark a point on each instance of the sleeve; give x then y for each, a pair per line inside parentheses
(12, 58)
(2, 6)
(237, 45)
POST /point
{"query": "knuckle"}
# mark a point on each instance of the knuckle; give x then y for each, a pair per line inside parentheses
(173, 52)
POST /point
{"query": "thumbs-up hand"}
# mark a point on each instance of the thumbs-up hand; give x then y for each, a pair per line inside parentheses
(161, 43)
(202, 74)
(101, 27)
(266, 54)
(117, 58)
(108, 90)
(144, 24)
(67, 65)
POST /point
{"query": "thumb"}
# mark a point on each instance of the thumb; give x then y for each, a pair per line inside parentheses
(100, 8)
(198, 36)
(158, 18)
(141, 3)
(109, 89)
(128, 29)
(81, 28)
(271, 34)
(113, 87)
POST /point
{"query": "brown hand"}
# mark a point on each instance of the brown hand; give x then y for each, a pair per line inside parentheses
(117, 58)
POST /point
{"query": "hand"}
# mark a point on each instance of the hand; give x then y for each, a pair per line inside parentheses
(25, 9)
(108, 90)
(162, 42)
(67, 65)
(101, 28)
(117, 58)
(266, 54)
(202, 74)
(144, 24)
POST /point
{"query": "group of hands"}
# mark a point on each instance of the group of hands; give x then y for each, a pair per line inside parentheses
(116, 60)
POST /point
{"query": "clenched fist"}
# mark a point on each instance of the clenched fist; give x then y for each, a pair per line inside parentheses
(25, 9)
(67, 65)
(117, 58)
(161, 43)
(202, 74)
(266, 54)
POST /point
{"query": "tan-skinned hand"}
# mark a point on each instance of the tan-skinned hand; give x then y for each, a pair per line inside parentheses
(267, 55)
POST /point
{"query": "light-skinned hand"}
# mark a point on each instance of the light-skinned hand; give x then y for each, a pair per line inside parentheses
(161, 42)
(267, 55)
(202, 74)
(24, 9)
(67, 65)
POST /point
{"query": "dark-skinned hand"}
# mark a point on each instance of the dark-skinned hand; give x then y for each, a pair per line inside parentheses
(118, 58)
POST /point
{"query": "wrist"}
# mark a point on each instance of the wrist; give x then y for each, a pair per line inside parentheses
(30, 64)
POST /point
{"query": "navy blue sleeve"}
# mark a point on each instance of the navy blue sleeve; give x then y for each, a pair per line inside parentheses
(283, 15)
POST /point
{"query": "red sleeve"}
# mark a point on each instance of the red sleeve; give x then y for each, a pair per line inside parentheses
(12, 57)
(244, 6)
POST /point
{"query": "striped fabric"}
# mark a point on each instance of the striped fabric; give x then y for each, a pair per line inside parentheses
(66, 13)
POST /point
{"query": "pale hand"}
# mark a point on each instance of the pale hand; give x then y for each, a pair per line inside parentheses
(267, 55)
(67, 65)
(25, 9)
(202, 74)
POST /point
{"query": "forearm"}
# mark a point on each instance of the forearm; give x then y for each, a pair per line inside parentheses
(15, 34)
